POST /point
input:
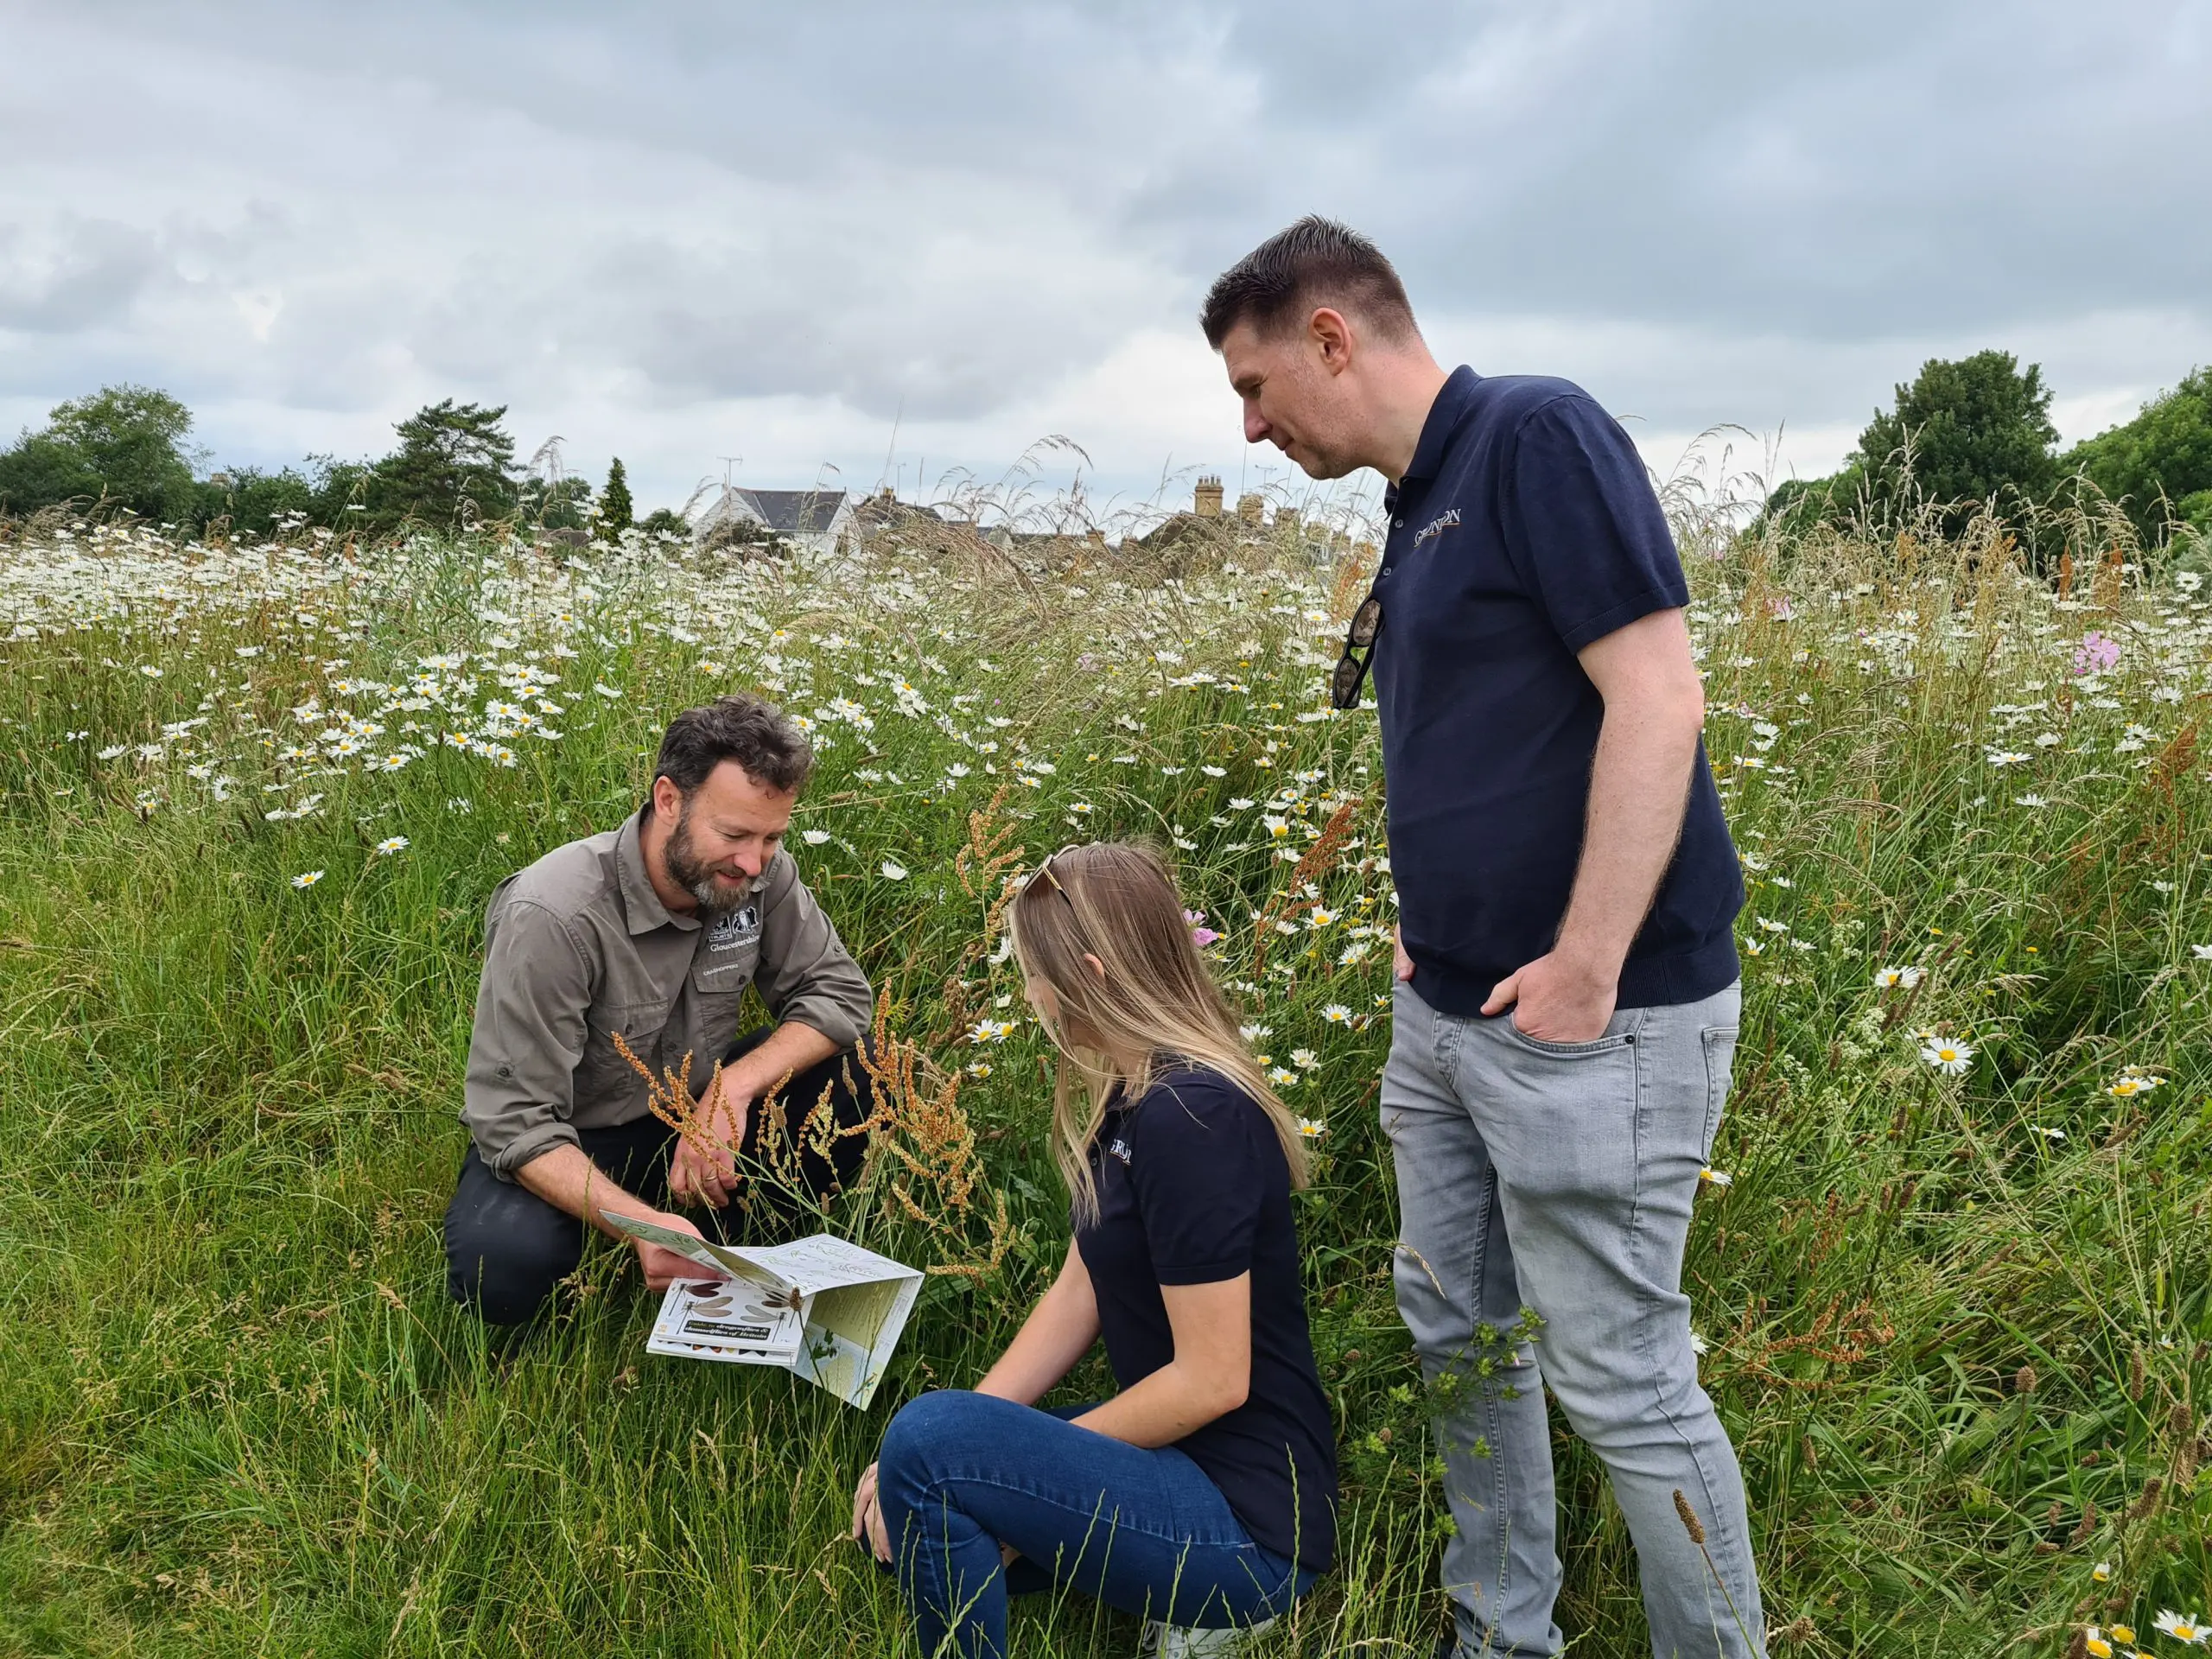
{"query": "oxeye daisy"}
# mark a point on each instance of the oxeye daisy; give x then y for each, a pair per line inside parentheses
(1312, 1128)
(1337, 1014)
(307, 878)
(1282, 1077)
(1948, 1056)
(1711, 1177)
(2191, 1629)
(391, 844)
(1897, 979)
(893, 872)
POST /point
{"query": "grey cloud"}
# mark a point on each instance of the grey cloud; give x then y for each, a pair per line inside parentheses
(73, 274)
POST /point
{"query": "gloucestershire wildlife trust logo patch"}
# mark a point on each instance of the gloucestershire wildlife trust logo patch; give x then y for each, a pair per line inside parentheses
(740, 926)
(1437, 526)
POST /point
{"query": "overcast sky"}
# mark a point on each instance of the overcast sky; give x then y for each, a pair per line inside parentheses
(860, 242)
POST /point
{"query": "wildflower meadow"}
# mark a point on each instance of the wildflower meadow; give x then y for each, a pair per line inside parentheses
(1951, 1273)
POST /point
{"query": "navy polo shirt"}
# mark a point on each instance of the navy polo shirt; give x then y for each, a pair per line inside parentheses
(1525, 529)
(1193, 1189)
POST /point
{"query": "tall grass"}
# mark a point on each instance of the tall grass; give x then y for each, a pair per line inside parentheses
(1957, 1325)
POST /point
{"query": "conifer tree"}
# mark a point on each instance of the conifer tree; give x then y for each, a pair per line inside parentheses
(616, 510)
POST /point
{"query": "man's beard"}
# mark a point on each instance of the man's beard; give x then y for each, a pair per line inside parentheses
(717, 896)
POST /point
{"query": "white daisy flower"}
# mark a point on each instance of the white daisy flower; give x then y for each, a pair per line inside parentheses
(307, 878)
(894, 872)
(1950, 1057)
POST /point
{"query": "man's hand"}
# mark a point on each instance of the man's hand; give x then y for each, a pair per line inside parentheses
(663, 1267)
(1557, 999)
(712, 1175)
(1404, 962)
(868, 1517)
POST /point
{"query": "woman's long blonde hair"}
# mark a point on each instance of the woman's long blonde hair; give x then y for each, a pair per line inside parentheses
(1117, 901)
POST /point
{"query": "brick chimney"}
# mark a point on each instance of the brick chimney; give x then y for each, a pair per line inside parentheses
(1205, 500)
(1248, 508)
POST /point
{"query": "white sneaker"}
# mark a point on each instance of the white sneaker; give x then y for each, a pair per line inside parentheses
(1175, 1641)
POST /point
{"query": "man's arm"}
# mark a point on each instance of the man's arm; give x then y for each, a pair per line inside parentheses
(529, 1036)
(566, 1177)
(1639, 790)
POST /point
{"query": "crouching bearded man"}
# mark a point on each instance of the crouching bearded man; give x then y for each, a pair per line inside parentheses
(653, 932)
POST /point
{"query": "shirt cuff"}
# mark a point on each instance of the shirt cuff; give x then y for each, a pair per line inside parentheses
(1612, 619)
(527, 1146)
(834, 1017)
(1206, 1273)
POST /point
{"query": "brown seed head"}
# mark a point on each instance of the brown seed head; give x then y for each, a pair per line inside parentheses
(1690, 1523)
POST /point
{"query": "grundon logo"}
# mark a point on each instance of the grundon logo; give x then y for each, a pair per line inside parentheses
(1438, 526)
(740, 926)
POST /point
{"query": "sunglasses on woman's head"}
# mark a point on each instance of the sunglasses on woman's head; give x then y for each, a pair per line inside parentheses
(1044, 871)
(1351, 671)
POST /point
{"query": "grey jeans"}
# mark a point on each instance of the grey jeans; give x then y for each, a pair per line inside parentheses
(1559, 1178)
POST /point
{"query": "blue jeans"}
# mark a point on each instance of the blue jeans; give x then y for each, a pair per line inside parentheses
(1560, 1177)
(1145, 1531)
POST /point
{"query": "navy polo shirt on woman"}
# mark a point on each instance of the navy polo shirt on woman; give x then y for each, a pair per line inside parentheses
(1193, 1189)
(1525, 529)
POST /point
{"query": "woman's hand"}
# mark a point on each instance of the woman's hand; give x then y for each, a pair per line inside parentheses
(868, 1517)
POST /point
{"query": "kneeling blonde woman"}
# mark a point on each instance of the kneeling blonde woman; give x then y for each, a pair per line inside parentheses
(1202, 1496)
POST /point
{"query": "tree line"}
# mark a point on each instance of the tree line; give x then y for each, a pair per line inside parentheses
(129, 447)
(1964, 435)
(1975, 433)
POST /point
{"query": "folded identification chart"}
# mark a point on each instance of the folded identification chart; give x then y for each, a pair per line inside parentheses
(821, 1307)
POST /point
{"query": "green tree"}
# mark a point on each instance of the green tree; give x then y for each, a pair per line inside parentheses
(253, 501)
(1964, 432)
(2158, 465)
(616, 512)
(455, 461)
(123, 444)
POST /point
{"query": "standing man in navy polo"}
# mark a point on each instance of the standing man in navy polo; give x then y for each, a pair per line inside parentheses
(1568, 991)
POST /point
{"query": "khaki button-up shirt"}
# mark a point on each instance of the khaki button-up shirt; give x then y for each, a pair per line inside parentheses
(578, 947)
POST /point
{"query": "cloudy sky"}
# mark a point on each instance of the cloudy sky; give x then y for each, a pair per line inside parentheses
(890, 241)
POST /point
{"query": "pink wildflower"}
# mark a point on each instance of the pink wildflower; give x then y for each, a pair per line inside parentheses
(2095, 653)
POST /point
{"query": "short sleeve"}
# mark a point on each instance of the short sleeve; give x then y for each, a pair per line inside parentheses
(1583, 525)
(1200, 1178)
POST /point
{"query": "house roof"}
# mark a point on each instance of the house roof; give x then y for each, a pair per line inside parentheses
(795, 513)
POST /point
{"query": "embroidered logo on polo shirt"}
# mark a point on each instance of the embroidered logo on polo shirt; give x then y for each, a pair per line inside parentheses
(1437, 526)
(1118, 1148)
(740, 926)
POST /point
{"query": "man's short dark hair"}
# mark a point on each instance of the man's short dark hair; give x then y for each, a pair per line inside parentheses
(754, 733)
(1314, 263)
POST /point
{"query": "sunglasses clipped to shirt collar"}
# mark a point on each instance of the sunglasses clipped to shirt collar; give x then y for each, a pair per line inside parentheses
(1351, 671)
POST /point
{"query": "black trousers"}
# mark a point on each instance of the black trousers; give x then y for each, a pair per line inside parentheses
(507, 1250)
